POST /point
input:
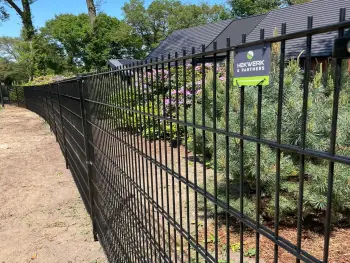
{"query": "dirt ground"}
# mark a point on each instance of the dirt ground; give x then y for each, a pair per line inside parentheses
(42, 217)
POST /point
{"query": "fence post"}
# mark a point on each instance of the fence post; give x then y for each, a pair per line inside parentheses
(8, 93)
(17, 96)
(47, 110)
(62, 126)
(85, 114)
(2, 97)
(53, 113)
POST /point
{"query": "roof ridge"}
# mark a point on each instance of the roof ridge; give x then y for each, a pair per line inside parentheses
(211, 23)
(234, 20)
(220, 32)
(265, 15)
(188, 28)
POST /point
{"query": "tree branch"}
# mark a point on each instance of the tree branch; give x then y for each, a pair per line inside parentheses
(14, 6)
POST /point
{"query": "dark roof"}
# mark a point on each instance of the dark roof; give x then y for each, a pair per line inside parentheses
(188, 38)
(235, 30)
(324, 12)
(121, 62)
(205, 34)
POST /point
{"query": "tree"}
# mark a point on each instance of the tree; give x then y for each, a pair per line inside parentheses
(127, 44)
(17, 54)
(26, 59)
(135, 16)
(24, 13)
(194, 15)
(3, 14)
(86, 47)
(49, 57)
(71, 33)
(92, 11)
(98, 49)
(8, 48)
(241, 8)
(111, 38)
(162, 17)
(9, 71)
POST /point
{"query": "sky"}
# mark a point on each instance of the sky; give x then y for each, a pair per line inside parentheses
(44, 10)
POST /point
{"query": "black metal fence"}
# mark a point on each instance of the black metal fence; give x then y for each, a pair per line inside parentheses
(11, 95)
(175, 164)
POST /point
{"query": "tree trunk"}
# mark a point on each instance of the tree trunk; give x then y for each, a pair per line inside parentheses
(92, 11)
(27, 20)
(26, 16)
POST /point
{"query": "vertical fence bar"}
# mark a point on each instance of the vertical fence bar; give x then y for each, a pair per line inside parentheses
(161, 114)
(203, 153)
(337, 88)
(216, 244)
(227, 140)
(53, 113)
(151, 124)
(178, 150)
(258, 165)
(88, 162)
(154, 83)
(62, 126)
(48, 120)
(16, 89)
(8, 95)
(168, 83)
(193, 76)
(278, 133)
(241, 165)
(184, 86)
(2, 97)
(303, 134)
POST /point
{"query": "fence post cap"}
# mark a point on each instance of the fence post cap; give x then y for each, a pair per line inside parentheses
(79, 76)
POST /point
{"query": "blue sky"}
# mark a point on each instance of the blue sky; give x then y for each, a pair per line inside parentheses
(44, 10)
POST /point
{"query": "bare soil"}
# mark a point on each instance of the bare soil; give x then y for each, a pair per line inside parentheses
(42, 217)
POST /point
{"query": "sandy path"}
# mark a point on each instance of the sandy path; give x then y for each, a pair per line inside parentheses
(42, 217)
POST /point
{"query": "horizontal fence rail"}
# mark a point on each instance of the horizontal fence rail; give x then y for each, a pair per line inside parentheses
(176, 164)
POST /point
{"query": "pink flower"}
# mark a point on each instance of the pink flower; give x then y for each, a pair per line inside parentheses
(197, 68)
(222, 78)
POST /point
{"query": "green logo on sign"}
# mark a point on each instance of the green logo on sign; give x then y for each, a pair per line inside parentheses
(250, 55)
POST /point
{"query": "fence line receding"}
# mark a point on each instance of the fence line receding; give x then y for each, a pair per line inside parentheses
(176, 164)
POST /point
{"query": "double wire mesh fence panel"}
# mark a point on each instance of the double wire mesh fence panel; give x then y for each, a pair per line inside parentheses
(11, 95)
(176, 164)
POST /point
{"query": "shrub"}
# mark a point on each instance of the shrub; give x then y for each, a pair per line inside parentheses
(42, 80)
(170, 98)
(319, 117)
(17, 95)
